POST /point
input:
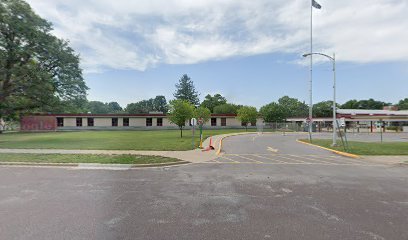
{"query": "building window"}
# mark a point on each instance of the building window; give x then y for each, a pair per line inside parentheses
(79, 122)
(90, 122)
(114, 122)
(213, 121)
(126, 122)
(149, 122)
(60, 122)
(160, 122)
(223, 122)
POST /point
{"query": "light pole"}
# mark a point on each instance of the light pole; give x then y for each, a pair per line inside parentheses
(333, 59)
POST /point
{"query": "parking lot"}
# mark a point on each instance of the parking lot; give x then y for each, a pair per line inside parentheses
(261, 187)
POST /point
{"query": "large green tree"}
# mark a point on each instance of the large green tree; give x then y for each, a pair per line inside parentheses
(273, 112)
(185, 90)
(180, 112)
(157, 104)
(36, 68)
(227, 108)
(247, 115)
(364, 104)
(323, 109)
(293, 107)
(211, 102)
(403, 104)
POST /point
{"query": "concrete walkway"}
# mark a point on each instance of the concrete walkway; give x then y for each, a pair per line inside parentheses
(194, 156)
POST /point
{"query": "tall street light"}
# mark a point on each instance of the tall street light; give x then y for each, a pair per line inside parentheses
(333, 59)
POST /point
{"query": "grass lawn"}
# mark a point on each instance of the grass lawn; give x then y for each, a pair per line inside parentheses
(83, 158)
(163, 140)
(367, 148)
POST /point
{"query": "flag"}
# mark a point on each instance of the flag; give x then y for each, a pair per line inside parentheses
(316, 5)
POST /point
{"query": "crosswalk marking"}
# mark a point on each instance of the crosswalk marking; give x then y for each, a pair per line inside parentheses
(248, 159)
(290, 159)
(269, 158)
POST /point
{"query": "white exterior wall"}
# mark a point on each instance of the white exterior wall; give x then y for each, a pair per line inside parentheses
(69, 122)
(102, 122)
(135, 121)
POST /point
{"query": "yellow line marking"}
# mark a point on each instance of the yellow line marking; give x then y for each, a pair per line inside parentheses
(292, 159)
(311, 159)
(249, 159)
(331, 150)
(347, 160)
(229, 159)
(269, 158)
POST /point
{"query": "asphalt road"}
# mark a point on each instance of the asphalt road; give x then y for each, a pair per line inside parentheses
(212, 200)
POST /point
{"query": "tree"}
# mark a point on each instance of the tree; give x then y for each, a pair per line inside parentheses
(403, 104)
(323, 109)
(141, 107)
(160, 104)
(96, 107)
(114, 107)
(273, 112)
(365, 104)
(180, 112)
(293, 107)
(227, 108)
(211, 102)
(157, 104)
(36, 68)
(185, 90)
(247, 115)
(203, 113)
(350, 104)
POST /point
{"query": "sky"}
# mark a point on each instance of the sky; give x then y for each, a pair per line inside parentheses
(248, 51)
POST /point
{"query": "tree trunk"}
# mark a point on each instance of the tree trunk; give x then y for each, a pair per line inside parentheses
(181, 132)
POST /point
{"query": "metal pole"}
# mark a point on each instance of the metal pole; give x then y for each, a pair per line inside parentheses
(311, 73)
(334, 100)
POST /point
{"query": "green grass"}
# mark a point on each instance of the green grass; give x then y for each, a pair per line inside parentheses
(367, 148)
(83, 158)
(163, 140)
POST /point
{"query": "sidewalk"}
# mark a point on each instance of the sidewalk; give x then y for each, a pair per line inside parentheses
(386, 159)
(194, 156)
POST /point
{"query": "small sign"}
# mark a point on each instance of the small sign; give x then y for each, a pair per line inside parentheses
(193, 121)
(309, 120)
(342, 122)
(200, 121)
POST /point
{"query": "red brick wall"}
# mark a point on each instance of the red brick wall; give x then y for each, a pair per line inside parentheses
(38, 123)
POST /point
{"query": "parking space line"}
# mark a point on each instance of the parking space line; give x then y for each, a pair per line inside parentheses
(269, 158)
(351, 160)
(312, 159)
(248, 159)
(229, 159)
(296, 160)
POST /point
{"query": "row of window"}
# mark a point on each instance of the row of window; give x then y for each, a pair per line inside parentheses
(149, 122)
(115, 121)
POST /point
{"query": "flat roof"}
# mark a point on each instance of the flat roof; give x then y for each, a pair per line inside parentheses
(117, 115)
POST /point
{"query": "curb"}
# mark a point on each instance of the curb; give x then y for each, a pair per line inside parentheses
(96, 164)
(40, 164)
(230, 135)
(350, 155)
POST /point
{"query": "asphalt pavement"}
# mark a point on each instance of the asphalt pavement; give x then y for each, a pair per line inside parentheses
(211, 200)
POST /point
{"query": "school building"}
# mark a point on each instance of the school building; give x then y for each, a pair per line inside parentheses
(61, 122)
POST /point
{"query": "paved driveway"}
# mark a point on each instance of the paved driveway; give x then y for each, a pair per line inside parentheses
(279, 149)
(210, 200)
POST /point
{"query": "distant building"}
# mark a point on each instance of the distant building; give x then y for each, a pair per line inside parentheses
(61, 122)
(363, 118)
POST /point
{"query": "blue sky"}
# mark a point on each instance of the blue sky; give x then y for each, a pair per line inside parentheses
(249, 51)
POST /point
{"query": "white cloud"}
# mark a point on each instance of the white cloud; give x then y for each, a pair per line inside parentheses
(141, 34)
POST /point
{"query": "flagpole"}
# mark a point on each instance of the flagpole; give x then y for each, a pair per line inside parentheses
(311, 73)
